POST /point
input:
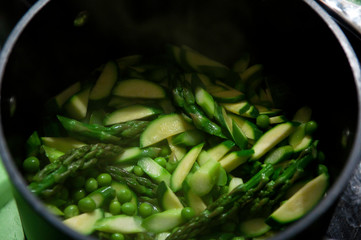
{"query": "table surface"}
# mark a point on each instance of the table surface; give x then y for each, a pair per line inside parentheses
(346, 221)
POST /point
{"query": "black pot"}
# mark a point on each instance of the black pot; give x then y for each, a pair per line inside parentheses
(297, 41)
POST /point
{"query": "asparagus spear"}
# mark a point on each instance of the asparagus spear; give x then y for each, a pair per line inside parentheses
(256, 192)
(68, 164)
(184, 98)
(141, 185)
(240, 196)
(94, 132)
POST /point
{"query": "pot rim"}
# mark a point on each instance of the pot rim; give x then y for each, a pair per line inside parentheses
(296, 228)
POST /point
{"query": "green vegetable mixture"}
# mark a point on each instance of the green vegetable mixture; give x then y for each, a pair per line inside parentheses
(176, 146)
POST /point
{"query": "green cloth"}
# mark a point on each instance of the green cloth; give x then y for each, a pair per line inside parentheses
(10, 224)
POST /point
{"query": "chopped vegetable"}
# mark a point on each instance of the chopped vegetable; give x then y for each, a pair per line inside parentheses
(188, 148)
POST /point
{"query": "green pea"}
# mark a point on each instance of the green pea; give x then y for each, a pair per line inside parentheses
(188, 213)
(78, 194)
(145, 209)
(129, 208)
(78, 182)
(104, 179)
(124, 195)
(115, 207)
(71, 211)
(86, 204)
(138, 171)
(165, 151)
(117, 236)
(171, 166)
(262, 121)
(310, 127)
(161, 161)
(31, 164)
(91, 185)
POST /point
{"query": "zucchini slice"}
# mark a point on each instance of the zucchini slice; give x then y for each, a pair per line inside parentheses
(184, 167)
(85, 223)
(228, 96)
(205, 101)
(154, 170)
(218, 151)
(139, 88)
(120, 224)
(130, 113)
(238, 107)
(51, 153)
(62, 97)
(77, 105)
(271, 138)
(62, 144)
(301, 202)
(163, 221)
(248, 128)
(203, 180)
(232, 160)
(105, 82)
(235, 181)
(134, 153)
(162, 128)
(188, 138)
(167, 198)
(254, 227)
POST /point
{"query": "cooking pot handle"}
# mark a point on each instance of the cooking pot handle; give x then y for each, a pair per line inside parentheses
(346, 12)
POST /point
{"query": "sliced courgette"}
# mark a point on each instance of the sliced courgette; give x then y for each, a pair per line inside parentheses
(130, 113)
(248, 128)
(162, 128)
(188, 138)
(254, 227)
(134, 153)
(164, 221)
(85, 223)
(167, 198)
(271, 138)
(184, 167)
(52, 153)
(154, 170)
(139, 88)
(203, 180)
(228, 96)
(120, 224)
(205, 101)
(77, 106)
(62, 144)
(105, 82)
(303, 201)
(218, 151)
(238, 107)
(62, 97)
(279, 154)
(234, 159)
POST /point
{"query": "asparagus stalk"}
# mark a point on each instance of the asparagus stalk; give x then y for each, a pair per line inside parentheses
(68, 164)
(255, 193)
(184, 98)
(94, 132)
(141, 185)
(240, 196)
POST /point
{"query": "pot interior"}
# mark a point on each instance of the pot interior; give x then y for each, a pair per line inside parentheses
(303, 58)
